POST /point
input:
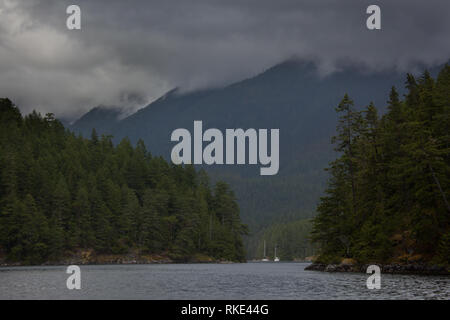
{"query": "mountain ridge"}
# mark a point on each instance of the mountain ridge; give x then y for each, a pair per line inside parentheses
(291, 96)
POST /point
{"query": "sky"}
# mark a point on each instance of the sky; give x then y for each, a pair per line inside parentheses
(129, 53)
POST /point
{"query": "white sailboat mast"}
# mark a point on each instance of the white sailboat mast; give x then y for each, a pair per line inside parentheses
(264, 248)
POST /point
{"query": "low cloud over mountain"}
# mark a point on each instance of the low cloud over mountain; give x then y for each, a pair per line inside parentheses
(129, 53)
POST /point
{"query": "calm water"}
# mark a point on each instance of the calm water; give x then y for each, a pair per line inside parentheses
(212, 281)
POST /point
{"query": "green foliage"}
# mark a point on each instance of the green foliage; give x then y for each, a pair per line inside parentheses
(444, 249)
(60, 193)
(388, 194)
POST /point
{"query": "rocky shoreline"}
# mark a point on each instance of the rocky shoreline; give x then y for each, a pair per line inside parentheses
(416, 269)
(90, 258)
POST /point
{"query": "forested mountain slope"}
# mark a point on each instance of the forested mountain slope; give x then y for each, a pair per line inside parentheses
(60, 194)
(291, 96)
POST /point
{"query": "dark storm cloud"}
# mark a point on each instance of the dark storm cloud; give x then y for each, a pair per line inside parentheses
(130, 52)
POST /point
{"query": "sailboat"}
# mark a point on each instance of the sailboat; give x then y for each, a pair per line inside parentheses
(264, 259)
(276, 259)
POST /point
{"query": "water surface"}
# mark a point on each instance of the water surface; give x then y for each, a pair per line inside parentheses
(212, 281)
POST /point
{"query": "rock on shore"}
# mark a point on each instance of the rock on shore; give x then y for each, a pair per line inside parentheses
(420, 269)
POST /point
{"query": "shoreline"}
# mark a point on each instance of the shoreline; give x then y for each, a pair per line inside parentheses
(13, 265)
(404, 269)
(90, 258)
(138, 262)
